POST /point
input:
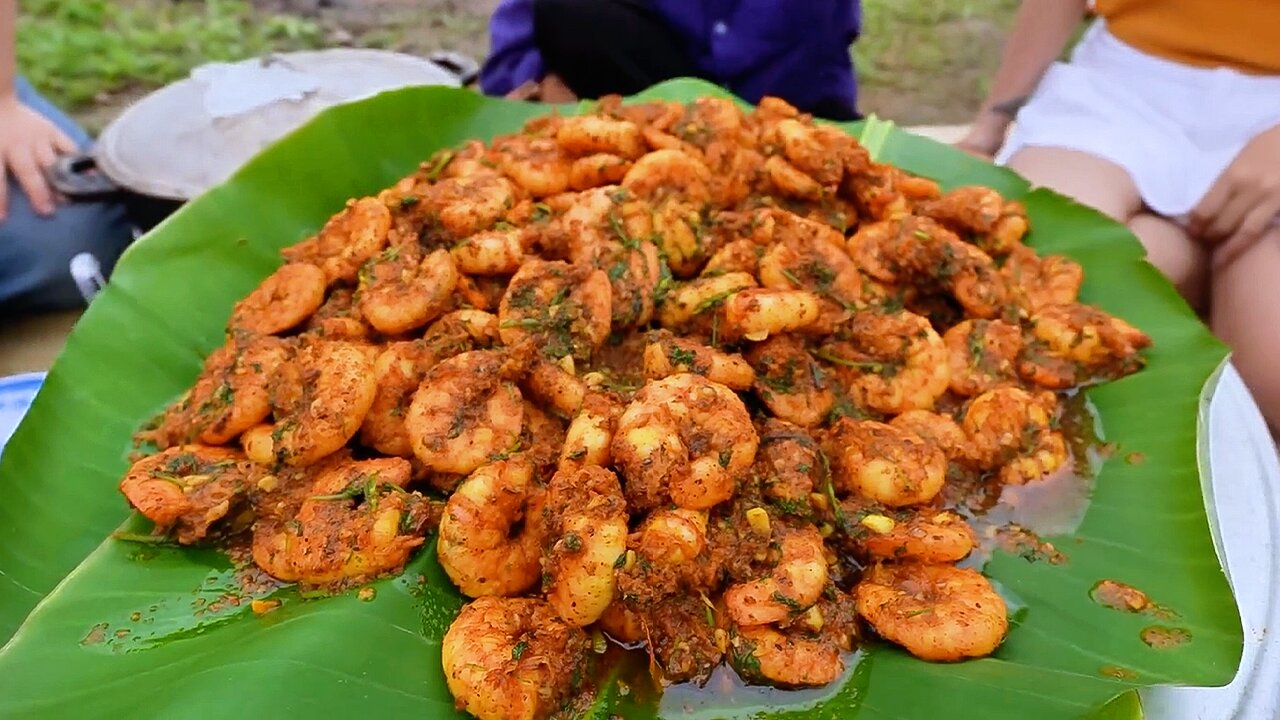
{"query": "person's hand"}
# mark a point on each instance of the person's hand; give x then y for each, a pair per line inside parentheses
(550, 89)
(985, 135)
(1245, 199)
(527, 91)
(29, 143)
(554, 90)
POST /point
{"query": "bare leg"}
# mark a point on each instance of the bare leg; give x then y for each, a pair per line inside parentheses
(1246, 303)
(1183, 260)
(1089, 179)
(1107, 188)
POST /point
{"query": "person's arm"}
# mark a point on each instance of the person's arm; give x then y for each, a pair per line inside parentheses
(1041, 31)
(514, 61)
(28, 142)
(8, 50)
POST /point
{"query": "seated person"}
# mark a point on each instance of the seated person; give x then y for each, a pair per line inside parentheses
(38, 235)
(561, 50)
(1166, 118)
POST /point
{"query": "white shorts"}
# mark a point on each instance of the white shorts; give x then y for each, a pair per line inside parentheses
(1173, 127)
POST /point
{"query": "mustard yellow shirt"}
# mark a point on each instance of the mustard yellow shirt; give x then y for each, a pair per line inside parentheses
(1239, 34)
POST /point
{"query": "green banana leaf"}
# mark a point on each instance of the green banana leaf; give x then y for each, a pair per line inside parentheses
(104, 629)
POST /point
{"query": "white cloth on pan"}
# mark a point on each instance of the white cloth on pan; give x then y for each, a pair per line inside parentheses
(1173, 127)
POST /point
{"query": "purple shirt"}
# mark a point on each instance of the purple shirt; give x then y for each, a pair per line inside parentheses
(795, 49)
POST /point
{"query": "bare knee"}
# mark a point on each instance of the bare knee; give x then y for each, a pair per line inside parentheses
(1180, 258)
(1088, 179)
(1246, 299)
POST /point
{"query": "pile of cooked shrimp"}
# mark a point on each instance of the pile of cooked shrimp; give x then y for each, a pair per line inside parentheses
(710, 383)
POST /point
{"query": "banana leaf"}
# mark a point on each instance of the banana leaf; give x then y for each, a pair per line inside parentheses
(106, 628)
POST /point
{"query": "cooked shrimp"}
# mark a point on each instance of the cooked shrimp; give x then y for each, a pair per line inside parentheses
(466, 412)
(685, 641)
(398, 371)
(666, 172)
(666, 354)
(735, 256)
(230, 396)
(969, 209)
(685, 437)
(592, 218)
(699, 301)
(357, 523)
(915, 249)
(809, 149)
(937, 612)
(875, 188)
(623, 624)
(590, 433)
(462, 330)
(401, 290)
(464, 206)
(339, 318)
(1036, 282)
(1006, 422)
(789, 382)
(492, 530)
(922, 536)
(1046, 456)
(284, 300)
(541, 440)
(567, 308)
(590, 134)
(537, 165)
(792, 587)
(606, 231)
(597, 170)
(755, 314)
(489, 252)
(1098, 345)
(587, 535)
(1006, 236)
(662, 558)
(787, 464)
(983, 355)
(940, 430)
(889, 362)
(511, 659)
(807, 255)
(788, 180)
(678, 231)
(320, 398)
(550, 383)
(346, 241)
(186, 489)
(763, 654)
(885, 464)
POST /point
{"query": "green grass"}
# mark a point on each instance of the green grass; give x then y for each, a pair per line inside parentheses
(80, 52)
(929, 60)
(900, 38)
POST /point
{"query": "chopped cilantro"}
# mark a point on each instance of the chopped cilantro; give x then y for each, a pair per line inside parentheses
(790, 602)
(438, 163)
(519, 650)
(680, 356)
(715, 300)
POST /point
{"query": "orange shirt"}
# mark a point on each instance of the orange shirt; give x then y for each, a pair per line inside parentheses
(1239, 34)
